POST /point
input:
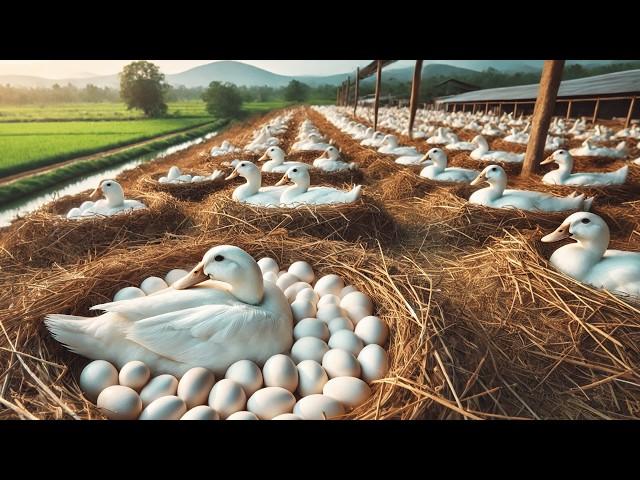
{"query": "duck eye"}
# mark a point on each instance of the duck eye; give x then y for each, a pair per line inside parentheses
(295, 169)
(494, 169)
(218, 258)
(108, 184)
(585, 220)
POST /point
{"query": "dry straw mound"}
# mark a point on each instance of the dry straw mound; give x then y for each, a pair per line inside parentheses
(192, 191)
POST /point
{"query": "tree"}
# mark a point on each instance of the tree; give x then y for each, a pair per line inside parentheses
(223, 99)
(142, 86)
(296, 91)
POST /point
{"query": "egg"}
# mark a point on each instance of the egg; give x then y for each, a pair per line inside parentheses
(153, 284)
(372, 330)
(346, 340)
(118, 402)
(243, 415)
(357, 313)
(309, 295)
(340, 323)
(97, 376)
(308, 348)
(246, 374)
(340, 363)
(270, 277)
(268, 264)
(326, 313)
(292, 291)
(270, 402)
(329, 284)
(329, 300)
(287, 416)
(160, 386)
(195, 385)
(318, 407)
(303, 271)
(286, 280)
(175, 275)
(281, 272)
(134, 375)
(127, 293)
(374, 362)
(302, 309)
(227, 397)
(357, 305)
(349, 391)
(280, 371)
(201, 412)
(311, 327)
(164, 408)
(346, 290)
(311, 377)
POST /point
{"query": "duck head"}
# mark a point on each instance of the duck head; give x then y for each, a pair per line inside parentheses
(298, 175)
(494, 175)
(249, 171)
(331, 153)
(390, 140)
(586, 228)
(438, 157)
(561, 157)
(112, 191)
(481, 142)
(231, 265)
(274, 153)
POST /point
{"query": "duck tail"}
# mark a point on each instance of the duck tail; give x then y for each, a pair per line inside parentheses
(355, 193)
(622, 146)
(71, 331)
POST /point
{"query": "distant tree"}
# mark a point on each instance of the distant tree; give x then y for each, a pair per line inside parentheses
(142, 86)
(223, 100)
(296, 91)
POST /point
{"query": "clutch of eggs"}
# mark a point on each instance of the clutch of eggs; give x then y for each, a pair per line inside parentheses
(337, 351)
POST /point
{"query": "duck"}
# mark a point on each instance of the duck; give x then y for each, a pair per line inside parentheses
(483, 153)
(491, 130)
(301, 194)
(313, 142)
(390, 146)
(497, 196)
(563, 175)
(588, 150)
(277, 163)
(252, 191)
(441, 137)
(113, 203)
(456, 144)
(263, 140)
(439, 171)
(374, 141)
(223, 149)
(368, 133)
(330, 161)
(221, 312)
(176, 176)
(589, 260)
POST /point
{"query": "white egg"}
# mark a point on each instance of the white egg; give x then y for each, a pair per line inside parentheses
(160, 386)
(311, 377)
(118, 402)
(326, 313)
(329, 300)
(268, 264)
(174, 275)
(356, 298)
(287, 416)
(127, 293)
(227, 397)
(374, 362)
(346, 340)
(318, 407)
(309, 295)
(74, 212)
(243, 415)
(308, 348)
(340, 363)
(348, 289)
(311, 327)
(246, 374)
(270, 277)
(340, 323)
(286, 280)
(97, 376)
(164, 408)
(372, 330)
(303, 271)
(292, 291)
(349, 391)
(281, 272)
(134, 375)
(201, 412)
(195, 385)
(86, 205)
(357, 313)
(329, 284)
(153, 284)
(270, 402)
(302, 309)
(280, 371)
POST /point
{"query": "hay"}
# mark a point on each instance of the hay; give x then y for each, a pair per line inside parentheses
(319, 177)
(193, 191)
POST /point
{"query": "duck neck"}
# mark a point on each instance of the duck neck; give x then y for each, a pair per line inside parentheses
(299, 187)
(251, 287)
(565, 168)
(254, 182)
(496, 188)
(596, 247)
(115, 199)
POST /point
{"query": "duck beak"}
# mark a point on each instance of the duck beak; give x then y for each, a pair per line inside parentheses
(547, 160)
(263, 157)
(95, 193)
(479, 179)
(194, 277)
(233, 174)
(283, 180)
(560, 233)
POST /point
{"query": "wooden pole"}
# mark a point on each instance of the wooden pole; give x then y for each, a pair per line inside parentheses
(474, 108)
(630, 113)
(542, 113)
(348, 91)
(376, 102)
(338, 96)
(515, 110)
(415, 95)
(595, 111)
(499, 109)
(486, 108)
(355, 103)
(569, 109)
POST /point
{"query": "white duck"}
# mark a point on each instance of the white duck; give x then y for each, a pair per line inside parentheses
(301, 194)
(113, 203)
(483, 153)
(368, 133)
(277, 163)
(252, 192)
(588, 150)
(563, 175)
(497, 196)
(223, 149)
(390, 146)
(589, 261)
(440, 172)
(263, 140)
(330, 161)
(491, 130)
(374, 141)
(313, 142)
(441, 137)
(456, 144)
(221, 312)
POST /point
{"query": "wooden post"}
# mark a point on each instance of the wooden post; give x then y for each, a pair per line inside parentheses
(348, 92)
(486, 108)
(376, 102)
(338, 96)
(499, 109)
(542, 113)
(355, 103)
(595, 111)
(630, 113)
(515, 110)
(569, 109)
(474, 108)
(415, 94)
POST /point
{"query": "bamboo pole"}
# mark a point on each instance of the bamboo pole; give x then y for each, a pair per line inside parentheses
(355, 103)
(415, 94)
(376, 102)
(595, 111)
(630, 113)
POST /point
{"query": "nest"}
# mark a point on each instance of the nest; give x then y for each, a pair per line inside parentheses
(320, 177)
(192, 191)
(406, 184)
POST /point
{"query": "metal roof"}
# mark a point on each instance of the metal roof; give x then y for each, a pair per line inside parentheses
(608, 84)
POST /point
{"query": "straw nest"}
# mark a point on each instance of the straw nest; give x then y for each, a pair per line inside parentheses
(40, 376)
(46, 237)
(320, 177)
(192, 191)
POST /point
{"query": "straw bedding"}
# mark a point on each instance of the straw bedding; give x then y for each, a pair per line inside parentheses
(192, 191)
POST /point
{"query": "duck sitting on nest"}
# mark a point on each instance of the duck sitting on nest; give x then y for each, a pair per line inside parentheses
(588, 150)
(252, 191)
(456, 144)
(439, 171)
(113, 203)
(330, 161)
(314, 141)
(276, 163)
(483, 153)
(302, 194)
(563, 175)
(390, 147)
